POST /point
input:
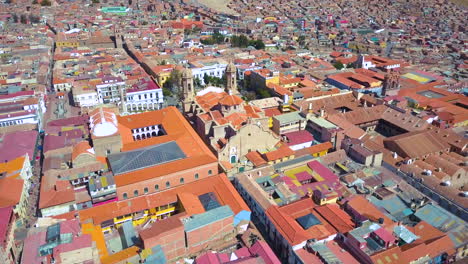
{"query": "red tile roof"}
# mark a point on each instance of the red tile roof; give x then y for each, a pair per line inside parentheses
(284, 219)
(298, 137)
(367, 209)
(282, 152)
(231, 100)
(178, 129)
(10, 191)
(219, 185)
(256, 158)
(338, 218)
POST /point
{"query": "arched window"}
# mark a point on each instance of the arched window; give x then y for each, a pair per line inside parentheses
(181, 180)
(125, 196)
(196, 175)
(156, 187)
(168, 184)
(135, 193)
(146, 190)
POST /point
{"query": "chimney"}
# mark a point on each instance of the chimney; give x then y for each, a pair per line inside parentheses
(322, 112)
(310, 107)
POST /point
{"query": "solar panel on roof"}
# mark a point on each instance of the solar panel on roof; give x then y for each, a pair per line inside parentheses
(143, 158)
(209, 201)
(308, 220)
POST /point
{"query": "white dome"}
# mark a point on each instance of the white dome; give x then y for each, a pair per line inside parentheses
(104, 129)
(103, 122)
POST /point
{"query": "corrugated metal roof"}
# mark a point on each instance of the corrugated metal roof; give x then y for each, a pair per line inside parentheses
(143, 158)
(199, 220)
(289, 117)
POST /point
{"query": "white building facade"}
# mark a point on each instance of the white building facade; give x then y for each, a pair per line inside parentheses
(144, 95)
(109, 90)
(211, 68)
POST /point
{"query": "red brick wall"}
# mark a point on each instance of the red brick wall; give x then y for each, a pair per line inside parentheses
(199, 238)
(173, 243)
(174, 179)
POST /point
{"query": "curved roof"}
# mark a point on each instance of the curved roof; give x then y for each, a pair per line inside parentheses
(187, 73)
(103, 122)
(231, 100)
(82, 147)
(231, 67)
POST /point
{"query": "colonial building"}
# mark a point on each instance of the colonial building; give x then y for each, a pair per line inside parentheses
(110, 89)
(228, 125)
(9, 251)
(159, 150)
(212, 67)
(23, 107)
(143, 95)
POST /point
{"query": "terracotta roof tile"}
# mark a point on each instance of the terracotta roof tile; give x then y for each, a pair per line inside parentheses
(10, 191)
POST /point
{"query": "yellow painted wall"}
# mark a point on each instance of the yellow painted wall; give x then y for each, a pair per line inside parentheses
(67, 44)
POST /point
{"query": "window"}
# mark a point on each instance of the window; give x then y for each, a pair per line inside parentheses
(146, 190)
(168, 184)
(135, 193)
(156, 187)
(181, 180)
(210, 172)
(125, 196)
(196, 175)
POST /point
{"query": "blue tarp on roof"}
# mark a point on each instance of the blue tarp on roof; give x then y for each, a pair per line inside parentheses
(403, 233)
(242, 215)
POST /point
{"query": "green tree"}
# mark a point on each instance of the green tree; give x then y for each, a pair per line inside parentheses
(46, 3)
(263, 93)
(95, 1)
(34, 19)
(34, 2)
(338, 65)
(249, 96)
(174, 80)
(217, 38)
(197, 82)
(167, 91)
(258, 44)
(206, 79)
(301, 40)
(163, 62)
(23, 19)
(239, 41)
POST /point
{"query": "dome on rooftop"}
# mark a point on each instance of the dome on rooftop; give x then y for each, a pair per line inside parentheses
(103, 122)
(187, 73)
(231, 67)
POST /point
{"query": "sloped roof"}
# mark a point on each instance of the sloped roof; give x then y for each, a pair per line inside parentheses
(82, 148)
(10, 191)
(124, 162)
(219, 184)
(199, 220)
(415, 144)
(231, 100)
